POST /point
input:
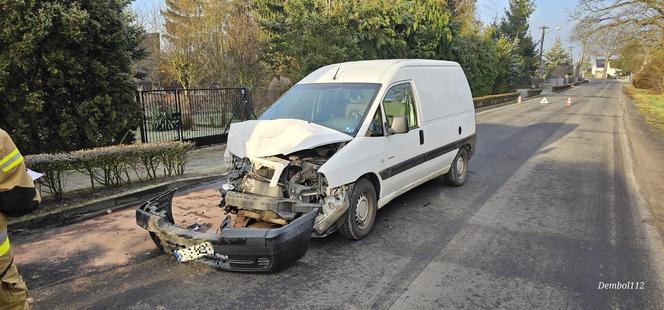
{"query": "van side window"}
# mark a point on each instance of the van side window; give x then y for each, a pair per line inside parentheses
(376, 126)
(399, 101)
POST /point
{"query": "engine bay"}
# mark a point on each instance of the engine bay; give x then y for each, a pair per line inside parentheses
(275, 190)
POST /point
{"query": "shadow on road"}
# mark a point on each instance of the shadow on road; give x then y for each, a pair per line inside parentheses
(410, 233)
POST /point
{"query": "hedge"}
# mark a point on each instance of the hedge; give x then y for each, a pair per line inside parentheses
(494, 99)
(112, 165)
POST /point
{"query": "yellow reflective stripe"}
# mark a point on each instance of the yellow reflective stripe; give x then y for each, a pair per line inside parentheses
(8, 157)
(13, 164)
(10, 161)
(4, 247)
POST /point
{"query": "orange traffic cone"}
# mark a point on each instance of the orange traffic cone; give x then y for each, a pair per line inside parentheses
(518, 100)
(569, 102)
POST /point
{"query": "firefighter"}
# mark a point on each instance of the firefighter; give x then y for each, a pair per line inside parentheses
(18, 196)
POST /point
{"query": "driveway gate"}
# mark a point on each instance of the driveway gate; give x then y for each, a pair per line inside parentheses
(199, 115)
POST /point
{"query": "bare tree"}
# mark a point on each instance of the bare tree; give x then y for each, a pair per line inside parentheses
(187, 32)
(605, 26)
(212, 42)
(152, 22)
(581, 35)
(645, 15)
(606, 43)
(244, 41)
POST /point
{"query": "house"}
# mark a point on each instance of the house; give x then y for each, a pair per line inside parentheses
(601, 64)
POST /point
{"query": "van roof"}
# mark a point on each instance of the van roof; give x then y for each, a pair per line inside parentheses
(369, 71)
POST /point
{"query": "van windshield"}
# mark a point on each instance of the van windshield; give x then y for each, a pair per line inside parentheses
(340, 106)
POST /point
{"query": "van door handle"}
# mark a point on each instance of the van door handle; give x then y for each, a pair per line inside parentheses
(421, 136)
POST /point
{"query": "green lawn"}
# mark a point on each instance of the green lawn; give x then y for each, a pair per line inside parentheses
(650, 103)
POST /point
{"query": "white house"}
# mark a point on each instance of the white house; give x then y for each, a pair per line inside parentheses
(601, 64)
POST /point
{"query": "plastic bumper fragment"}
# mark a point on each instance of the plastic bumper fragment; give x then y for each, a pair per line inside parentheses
(234, 249)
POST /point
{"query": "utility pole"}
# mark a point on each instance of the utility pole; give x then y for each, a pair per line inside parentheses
(544, 28)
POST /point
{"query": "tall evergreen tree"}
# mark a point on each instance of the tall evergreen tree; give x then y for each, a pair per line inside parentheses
(514, 26)
(307, 34)
(66, 77)
(557, 56)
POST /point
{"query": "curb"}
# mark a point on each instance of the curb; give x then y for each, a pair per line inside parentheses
(571, 86)
(504, 104)
(101, 206)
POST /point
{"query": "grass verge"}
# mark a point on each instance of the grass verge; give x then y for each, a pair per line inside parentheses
(650, 104)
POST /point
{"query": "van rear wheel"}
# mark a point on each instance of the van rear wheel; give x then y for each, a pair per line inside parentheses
(459, 169)
(361, 214)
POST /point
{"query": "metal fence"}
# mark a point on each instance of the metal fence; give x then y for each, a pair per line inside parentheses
(199, 115)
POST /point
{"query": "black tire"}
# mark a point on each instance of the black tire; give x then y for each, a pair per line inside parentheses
(459, 169)
(354, 225)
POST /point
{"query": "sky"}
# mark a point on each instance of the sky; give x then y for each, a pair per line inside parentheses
(551, 13)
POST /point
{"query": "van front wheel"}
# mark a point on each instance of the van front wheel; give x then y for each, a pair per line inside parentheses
(459, 169)
(361, 214)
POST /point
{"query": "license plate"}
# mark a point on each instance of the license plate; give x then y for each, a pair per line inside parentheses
(193, 252)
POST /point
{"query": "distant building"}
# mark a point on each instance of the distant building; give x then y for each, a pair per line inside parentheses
(599, 67)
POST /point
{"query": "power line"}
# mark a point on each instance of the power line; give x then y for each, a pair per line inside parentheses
(491, 5)
(494, 3)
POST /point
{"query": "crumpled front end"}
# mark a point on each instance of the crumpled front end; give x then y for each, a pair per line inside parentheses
(277, 189)
(233, 249)
(272, 206)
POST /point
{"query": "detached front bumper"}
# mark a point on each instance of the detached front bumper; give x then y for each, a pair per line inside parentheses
(235, 249)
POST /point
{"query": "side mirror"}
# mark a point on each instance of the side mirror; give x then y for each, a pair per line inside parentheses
(399, 125)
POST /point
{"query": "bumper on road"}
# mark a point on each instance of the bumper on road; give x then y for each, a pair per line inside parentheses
(235, 249)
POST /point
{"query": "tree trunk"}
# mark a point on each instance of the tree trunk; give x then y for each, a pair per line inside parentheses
(584, 51)
(606, 66)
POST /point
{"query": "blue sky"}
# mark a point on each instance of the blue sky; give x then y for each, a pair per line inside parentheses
(552, 13)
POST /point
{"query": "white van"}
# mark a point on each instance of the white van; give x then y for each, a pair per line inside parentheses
(339, 145)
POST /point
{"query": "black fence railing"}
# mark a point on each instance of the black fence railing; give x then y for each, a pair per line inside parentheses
(199, 115)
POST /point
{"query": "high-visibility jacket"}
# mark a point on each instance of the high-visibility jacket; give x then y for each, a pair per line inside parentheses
(18, 195)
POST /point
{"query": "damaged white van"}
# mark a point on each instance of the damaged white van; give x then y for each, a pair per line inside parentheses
(328, 154)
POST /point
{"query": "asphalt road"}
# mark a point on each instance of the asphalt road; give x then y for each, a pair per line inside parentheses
(549, 211)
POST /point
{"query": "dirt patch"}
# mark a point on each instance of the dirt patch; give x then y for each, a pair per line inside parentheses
(199, 207)
(113, 239)
(202, 208)
(104, 241)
